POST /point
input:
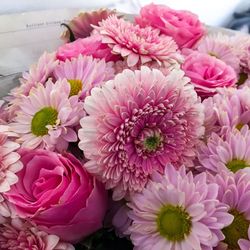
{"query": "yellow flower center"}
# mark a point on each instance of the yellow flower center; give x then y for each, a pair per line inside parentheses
(235, 165)
(42, 118)
(174, 223)
(75, 86)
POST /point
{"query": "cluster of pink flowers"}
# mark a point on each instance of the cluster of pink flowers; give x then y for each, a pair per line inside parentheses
(142, 126)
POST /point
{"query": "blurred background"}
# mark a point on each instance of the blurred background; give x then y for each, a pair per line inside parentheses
(212, 12)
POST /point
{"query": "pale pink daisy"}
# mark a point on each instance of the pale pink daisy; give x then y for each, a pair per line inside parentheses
(81, 25)
(38, 73)
(83, 73)
(234, 191)
(210, 121)
(177, 211)
(230, 108)
(137, 123)
(219, 46)
(228, 153)
(47, 117)
(137, 45)
(9, 159)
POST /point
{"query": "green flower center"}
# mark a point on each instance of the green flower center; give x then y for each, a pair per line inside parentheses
(42, 118)
(243, 77)
(235, 165)
(152, 143)
(75, 86)
(174, 223)
(237, 230)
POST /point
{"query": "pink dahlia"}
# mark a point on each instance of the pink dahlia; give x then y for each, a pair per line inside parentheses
(83, 73)
(234, 191)
(228, 153)
(47, 117)
(183, 26)
(177, 211)
(138, 45)
(220, 46)
(228, 109)
(81, 25)
(90, 46)
(138, 123)
(9, 160)
(208, 73)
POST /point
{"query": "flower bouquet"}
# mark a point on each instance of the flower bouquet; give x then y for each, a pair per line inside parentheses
(132, 135)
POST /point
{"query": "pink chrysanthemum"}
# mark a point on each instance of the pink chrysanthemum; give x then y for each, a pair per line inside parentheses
(228, 153)
(137, 123)
(177, 211)
(219, 46)
(83, 73)
(81, 25)
(234, 191)
(47, 117)
(138, 45)
(9, 159)
(18, 234)
(230, 108)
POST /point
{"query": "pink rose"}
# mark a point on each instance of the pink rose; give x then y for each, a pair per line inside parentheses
(86, 46)
(183, 26)
(208, 73)
(57, 194)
